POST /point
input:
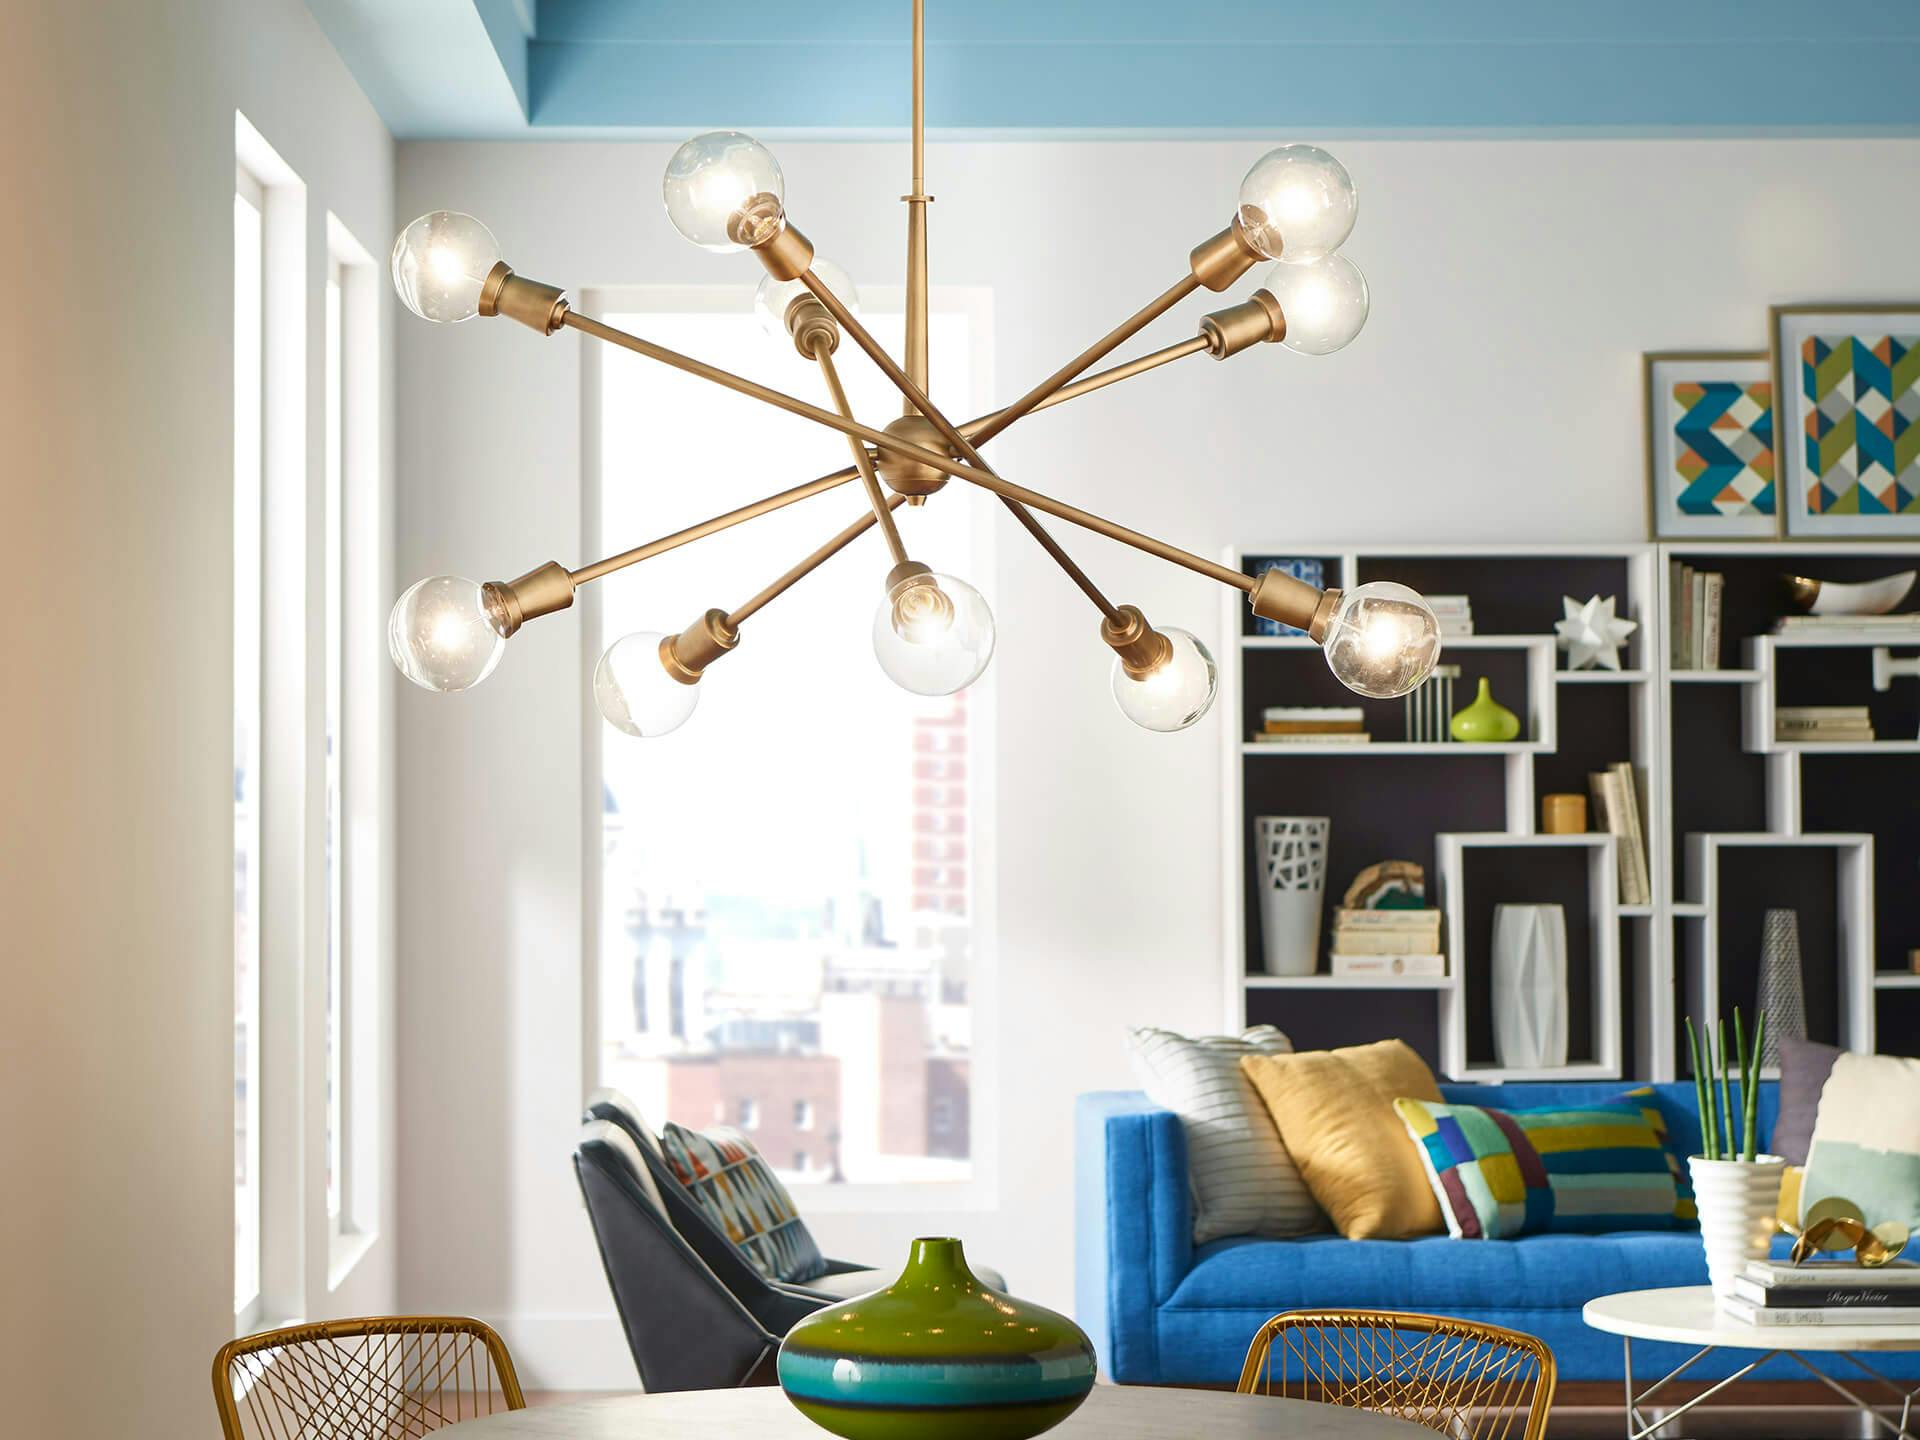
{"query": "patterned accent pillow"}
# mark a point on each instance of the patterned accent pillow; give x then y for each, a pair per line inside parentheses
(1502, 1173)
(1866, 1141)
(726, 1177)
(1242, 1179)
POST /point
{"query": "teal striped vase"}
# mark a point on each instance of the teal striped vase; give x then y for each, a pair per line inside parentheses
(936, 1356)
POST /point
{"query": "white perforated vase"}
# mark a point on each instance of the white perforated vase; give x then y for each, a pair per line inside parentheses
(1292, 858)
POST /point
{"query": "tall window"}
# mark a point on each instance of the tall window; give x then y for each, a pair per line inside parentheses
(333, 635)
(785, 934)
(248, 439)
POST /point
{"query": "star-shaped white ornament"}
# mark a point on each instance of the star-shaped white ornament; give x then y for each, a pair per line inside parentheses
(1591, 634)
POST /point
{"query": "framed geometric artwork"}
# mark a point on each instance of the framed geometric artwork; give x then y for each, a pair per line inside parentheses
(1710, 447)
(1849, 382)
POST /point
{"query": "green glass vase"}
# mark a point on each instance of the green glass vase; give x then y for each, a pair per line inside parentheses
(1485, 720)
(936, 1356)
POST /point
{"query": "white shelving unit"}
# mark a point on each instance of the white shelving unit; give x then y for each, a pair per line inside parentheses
(1666, 950)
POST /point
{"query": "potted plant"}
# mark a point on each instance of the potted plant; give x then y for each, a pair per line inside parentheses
(1736, 1189)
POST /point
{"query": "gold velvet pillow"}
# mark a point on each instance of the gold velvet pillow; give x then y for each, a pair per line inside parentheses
(1334, 1111)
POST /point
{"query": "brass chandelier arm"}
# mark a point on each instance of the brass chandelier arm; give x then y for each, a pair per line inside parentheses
(823, 352)
(1104, 346)
(812, 562)
(1099, 381)
(948, 432)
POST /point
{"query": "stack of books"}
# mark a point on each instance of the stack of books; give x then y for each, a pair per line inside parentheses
(1454, 612)
(1616, 812)
(1823, 724)
(1387, 942)
(1312, 725)
(1829, 1292)
(1698, 596)
(1886, 629)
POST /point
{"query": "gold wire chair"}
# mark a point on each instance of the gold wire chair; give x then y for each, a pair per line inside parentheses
(1460, 1378)
(384, 1378)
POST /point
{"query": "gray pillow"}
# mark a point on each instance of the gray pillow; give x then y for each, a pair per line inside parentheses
(1804, 1067)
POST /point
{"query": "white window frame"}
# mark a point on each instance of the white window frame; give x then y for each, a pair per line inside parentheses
(353, 539)
(285, 890)
(981, 1191)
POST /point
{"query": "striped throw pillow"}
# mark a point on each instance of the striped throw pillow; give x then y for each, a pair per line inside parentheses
(1242, 1179)
(726, 1177)
(1502, 1173)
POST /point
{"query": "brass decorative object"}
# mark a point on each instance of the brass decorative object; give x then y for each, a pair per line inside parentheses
(1836, 1225)
(1461, 1378)
(382, 1378)
(933, 634)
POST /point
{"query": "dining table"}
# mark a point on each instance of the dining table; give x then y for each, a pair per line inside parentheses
(1113, 1412)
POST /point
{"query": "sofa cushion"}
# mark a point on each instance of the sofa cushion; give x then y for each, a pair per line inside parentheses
(1334, 1111)
(1866, 1141)
(1437, 1273)
(726, 1177)
(1804, 1067)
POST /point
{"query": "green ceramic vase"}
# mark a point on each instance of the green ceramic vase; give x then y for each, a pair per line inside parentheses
(936, 1356)
(1485, 720)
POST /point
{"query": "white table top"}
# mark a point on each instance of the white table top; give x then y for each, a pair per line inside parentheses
(1687, 1314)
(1115, 1412)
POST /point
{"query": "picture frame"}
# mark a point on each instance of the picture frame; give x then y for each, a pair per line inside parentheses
(1845, 372)
(1711, 451)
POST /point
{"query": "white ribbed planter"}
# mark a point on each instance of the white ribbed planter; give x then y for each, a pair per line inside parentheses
(1738, 1201)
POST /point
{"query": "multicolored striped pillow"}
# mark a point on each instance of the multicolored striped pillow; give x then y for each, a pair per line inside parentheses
(1502, 1173)
(726, 1177)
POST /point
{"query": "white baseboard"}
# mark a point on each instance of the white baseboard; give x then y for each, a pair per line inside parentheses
(568, 1352)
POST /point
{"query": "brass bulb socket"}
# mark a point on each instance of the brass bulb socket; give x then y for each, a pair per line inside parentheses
(535, 305)
(1141, 648)
(511, 603)
(1279, 596)
(905, 570)
(1255, 320)
(686, 656)
(1219, 262)
(811, 326)
(757, 221)
(786, 253)
(903, 473)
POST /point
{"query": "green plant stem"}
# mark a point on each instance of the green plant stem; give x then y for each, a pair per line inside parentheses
(1753, 1087)
(1735, 1140)
(1726, 1095)
(1703, 1090)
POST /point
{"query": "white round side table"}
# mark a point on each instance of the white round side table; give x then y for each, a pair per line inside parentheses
(1687, 1315)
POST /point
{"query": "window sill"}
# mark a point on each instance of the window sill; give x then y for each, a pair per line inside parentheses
(344, 1251)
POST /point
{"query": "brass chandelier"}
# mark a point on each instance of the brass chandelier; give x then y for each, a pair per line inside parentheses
(933, 634)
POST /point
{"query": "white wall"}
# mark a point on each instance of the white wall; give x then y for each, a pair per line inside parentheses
(116, 376)
(1494, 396)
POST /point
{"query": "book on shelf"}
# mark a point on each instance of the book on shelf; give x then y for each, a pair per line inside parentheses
(1698, 600)
(1845, 624)
(1452, 626)
(1302, 713)
(1751, 1314)
(1680, 642)
(1418, 965)
(1815, 723)
(1386, 942)
(1616, 806)
(1386, 917)
(1313, 737)
(1443, 605)
(1834, 1274)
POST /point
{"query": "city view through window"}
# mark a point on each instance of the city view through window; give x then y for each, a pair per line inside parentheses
(785, 922)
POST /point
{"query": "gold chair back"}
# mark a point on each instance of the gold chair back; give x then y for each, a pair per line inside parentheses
(383, 1378)
(1463, 1379)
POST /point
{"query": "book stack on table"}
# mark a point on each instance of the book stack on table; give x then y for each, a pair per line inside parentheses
(1823, 724)
(1387, 943)
(1773, 1292)
(1312, 725)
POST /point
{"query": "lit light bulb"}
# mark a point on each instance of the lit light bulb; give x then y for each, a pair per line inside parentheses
(724, 191)
(1325, 303)
(1297, 204)
(771, 299)
(634, 691)
(1176, 693)
(1382, 640)
(444, 635)
(933, 634)
(440, 262)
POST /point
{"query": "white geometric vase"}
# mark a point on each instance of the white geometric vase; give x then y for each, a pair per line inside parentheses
(1529, 986)
(1737, 1201)
(1293, 889)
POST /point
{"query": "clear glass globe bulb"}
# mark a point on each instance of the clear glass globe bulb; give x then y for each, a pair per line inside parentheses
(1383, 640)
(724, 191)
(1173, 696)
(1325, 303)
(1297, 204)
(440, 262)
(634, 691)
(933, 634)
(443, 635)
(771, 299)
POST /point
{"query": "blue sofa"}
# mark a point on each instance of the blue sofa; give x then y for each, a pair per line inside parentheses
(1163, 1311)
